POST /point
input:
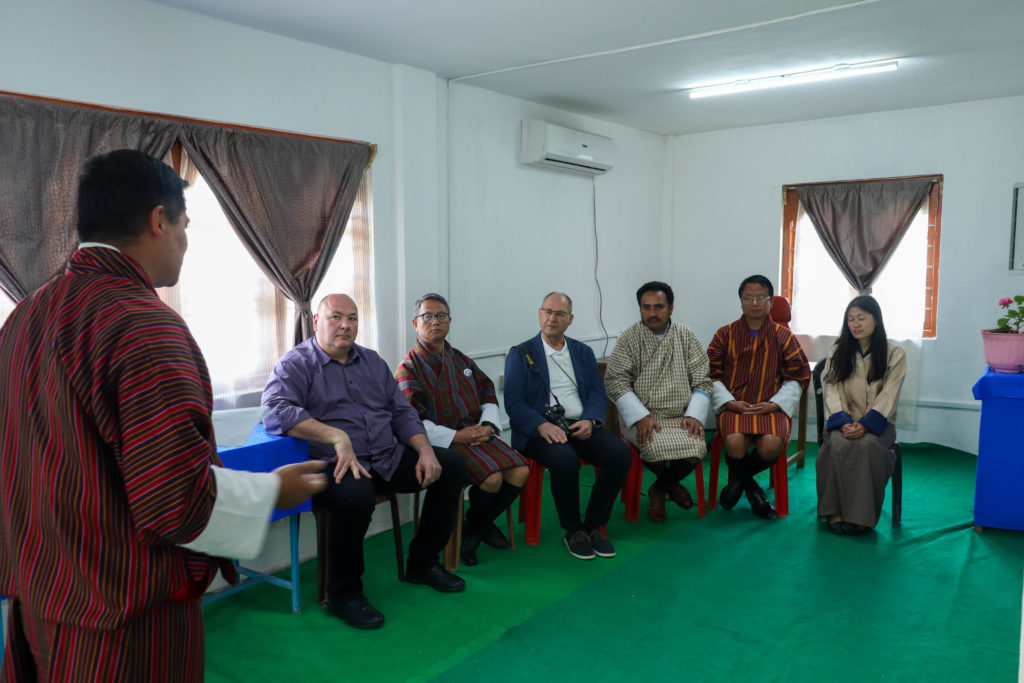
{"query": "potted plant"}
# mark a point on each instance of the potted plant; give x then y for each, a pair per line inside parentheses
(1004, 344)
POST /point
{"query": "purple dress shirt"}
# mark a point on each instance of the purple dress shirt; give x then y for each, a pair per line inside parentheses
(359, 396)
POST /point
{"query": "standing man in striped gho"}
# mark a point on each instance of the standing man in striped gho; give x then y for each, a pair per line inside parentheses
(110, 489)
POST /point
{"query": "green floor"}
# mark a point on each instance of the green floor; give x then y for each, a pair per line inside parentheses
(726, 598)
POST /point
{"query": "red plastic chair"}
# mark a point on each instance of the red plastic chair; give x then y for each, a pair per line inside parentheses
(530, 498)
(638, 485)
(779, 479)
(632, 490)
(782, 313)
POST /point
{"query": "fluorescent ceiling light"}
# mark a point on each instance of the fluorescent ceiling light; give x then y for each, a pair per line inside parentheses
(828, 73)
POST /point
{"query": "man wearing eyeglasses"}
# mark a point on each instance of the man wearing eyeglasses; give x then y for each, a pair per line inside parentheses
(758, 372)
(342, 398)
(555, 400)
(458, 406)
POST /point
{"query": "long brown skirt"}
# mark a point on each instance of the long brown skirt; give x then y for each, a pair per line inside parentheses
(852, 474)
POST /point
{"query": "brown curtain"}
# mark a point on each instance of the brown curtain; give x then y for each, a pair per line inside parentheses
(43, 146)
(288, 198)
(862, 223)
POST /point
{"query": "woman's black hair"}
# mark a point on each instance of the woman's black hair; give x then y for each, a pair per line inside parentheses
(843, 359)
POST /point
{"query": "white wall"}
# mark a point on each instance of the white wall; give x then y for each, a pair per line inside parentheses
(515, 232)
(727, 194)
(454, 211)
(144, 56)
(518, 232)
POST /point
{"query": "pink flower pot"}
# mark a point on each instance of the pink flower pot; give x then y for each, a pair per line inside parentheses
(1004, 352)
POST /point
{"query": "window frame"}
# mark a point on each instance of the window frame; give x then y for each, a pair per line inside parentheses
(791, 210)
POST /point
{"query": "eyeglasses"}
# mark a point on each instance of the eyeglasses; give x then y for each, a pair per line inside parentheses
(431, 317)
(561, 315)
(755, 299)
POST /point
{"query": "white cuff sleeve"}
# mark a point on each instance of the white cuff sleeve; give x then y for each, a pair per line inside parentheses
(437, 435)
(492, 415)
(238, 524)
(631, 409)
(698, 408)
(788, 397)
(720, 396)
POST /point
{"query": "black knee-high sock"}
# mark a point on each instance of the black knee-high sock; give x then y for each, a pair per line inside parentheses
(660, 469)
(739, 468)
(479, 502)
(485, 507)
(671, 472)
(505, 496)
(680, 469)
(755, 463)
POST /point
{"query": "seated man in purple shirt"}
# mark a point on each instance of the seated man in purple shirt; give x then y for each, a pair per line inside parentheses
(342, 398)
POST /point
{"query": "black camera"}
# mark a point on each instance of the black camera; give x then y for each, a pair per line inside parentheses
(556, 415)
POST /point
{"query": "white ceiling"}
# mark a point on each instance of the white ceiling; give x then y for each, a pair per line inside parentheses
(627, 61)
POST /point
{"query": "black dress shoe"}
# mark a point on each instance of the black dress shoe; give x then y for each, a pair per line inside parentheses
(467, 551)
(851, 529)
(493, 537)
(759, 502)
(837, 528)
(731, 494)
(357, 612)
(435, 576)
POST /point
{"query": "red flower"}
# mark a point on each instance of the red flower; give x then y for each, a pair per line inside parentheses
(1005, 302)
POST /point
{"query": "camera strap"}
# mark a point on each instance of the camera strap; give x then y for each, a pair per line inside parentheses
(529, 359)
(534, 368)
(567, 375)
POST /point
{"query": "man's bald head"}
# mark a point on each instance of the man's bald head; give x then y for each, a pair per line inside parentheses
(336, 324)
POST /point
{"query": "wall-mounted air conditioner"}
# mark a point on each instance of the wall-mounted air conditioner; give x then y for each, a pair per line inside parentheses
(545, 144)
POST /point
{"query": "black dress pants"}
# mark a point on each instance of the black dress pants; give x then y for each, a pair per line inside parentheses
(350, 505)
(602, 449)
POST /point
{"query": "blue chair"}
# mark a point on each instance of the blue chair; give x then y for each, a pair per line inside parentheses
(265, 453)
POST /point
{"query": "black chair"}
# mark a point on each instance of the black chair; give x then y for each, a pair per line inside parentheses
(897, 472)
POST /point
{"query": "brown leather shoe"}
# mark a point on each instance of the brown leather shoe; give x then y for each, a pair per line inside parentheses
(680, 496)
(656, 510)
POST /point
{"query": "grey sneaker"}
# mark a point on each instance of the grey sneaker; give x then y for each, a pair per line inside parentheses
(601, 545)
(578, 543)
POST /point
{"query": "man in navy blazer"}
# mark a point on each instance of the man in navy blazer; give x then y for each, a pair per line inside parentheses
(556, 401)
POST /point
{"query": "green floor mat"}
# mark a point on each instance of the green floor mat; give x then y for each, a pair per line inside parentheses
(727, 598)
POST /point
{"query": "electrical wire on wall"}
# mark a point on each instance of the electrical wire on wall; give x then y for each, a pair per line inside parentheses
(597, 280)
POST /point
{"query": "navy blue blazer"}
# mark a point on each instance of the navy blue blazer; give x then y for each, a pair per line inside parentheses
(527, 387)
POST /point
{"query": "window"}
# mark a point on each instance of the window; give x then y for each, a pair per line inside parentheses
(6, 306)
(233, 311)
(351, 271)
(906, 289)
(242, 323)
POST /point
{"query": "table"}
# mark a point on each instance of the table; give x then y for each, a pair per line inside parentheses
(998, 499)
(264, 453)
